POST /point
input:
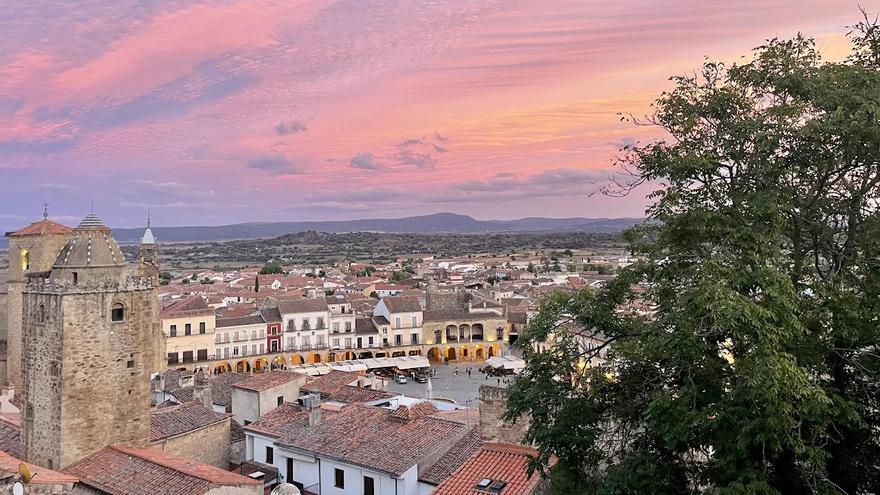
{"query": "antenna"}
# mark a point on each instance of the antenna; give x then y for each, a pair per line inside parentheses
(45, 210)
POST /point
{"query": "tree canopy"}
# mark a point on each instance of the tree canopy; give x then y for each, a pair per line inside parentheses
(743, 351)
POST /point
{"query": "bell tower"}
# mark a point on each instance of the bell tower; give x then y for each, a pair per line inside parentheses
(89, 347)
(148, 256)
(32, 250)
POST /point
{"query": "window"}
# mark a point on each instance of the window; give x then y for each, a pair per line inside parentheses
(270, 455)
(201, 327)
(226, 352)
(55, 371)
(280, 400)
(75, 278)
(414, 322)
(371, 341)
(187, 329)
(173, 330)
(415, 338)
(397, 322)
(320, 323)
(348, 326)
(42, 313)
(338, 478)
(253, 348)
(172, 358)
(129, 363)
(335, 327)
(117, 312)
(397, 340)
(202, 354)
(244, 350)
(273, 346)
(262, 348)
(235, 338)
(25, 260)
(369, 486)
(187, 356)
(235, 351)
(306, 325)
(336, 343)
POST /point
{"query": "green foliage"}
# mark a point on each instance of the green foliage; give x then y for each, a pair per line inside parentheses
(758, 370)
(399, 275)
(272, 268)
(374, 295)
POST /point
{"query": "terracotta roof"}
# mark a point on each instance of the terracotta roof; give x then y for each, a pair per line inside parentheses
(271, 315)
(364, 326)
(238, 321)
(415, 411)
(452, 460)
(359, 435)
(221, 386)
(181, 419)
(336, 386)
(10, 437)
(402, 304)
(44, 476)
(191, 306)
(265, 381)
(43, 227)
(120, 470)
(291, 306)
(381, 320)
(498, 462)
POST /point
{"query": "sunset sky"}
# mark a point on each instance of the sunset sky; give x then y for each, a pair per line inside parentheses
(220, 112)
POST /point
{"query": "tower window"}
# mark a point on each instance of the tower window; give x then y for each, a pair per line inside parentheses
(42, 313)
(25, 256)
(75, 278)
(117, 312)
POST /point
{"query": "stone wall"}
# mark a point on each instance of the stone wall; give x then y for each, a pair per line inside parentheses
(209, 445)
(493, 405)
(86, 378)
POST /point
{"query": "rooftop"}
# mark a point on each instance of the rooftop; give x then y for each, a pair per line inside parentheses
(360, 435)
(292, 306)
(503, 465)
(181, 419)
(43, 227)
(452, 460)
(265, 381)
(10, 437)
(42, 476)
(122, 470)
(402, 304)
(237, 321)
(191, 306)
(337, 386)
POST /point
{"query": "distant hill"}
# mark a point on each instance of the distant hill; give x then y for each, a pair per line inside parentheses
(436, 223)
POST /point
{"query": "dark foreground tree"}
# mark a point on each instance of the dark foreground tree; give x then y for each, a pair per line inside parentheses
(747, 361)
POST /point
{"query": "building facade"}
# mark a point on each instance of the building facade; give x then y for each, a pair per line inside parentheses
(189, 326)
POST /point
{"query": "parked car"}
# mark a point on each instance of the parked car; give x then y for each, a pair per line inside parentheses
(422, 378)
(400, 379)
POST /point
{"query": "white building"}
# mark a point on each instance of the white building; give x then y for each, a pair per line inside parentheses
(306, 323)
(404, 315)
(240, 336)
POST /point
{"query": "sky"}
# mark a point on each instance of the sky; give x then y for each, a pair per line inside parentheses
(216, 112)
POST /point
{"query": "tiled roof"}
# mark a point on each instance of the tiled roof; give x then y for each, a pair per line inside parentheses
(359, 435)
(381, 320)
(453, 459)
(221, 386)
(191, 306)
(10, 437)
(293, 306)
(43, 227)
(364, 326)
(335, 386)
(237, 321)
(120, 470)
(236, 433)
(265, 381)
(181, 419)
(402, 304)
(415, 411)
(271, 315)
(497, 462)
(44, 476)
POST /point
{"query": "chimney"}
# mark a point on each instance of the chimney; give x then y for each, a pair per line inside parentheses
(313, 406)
(202, 390)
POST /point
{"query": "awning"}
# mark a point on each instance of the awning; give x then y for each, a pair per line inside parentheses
(506, 362)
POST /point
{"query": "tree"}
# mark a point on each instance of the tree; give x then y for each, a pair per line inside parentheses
(374, 295)
(272, 268)
(568, 253)
(256, 283)
(759, 370)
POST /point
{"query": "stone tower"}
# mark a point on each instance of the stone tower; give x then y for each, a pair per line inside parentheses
(88, 349)
(148, 256)
(32, 250)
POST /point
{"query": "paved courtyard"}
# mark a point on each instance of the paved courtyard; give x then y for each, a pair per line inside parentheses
(461, 388)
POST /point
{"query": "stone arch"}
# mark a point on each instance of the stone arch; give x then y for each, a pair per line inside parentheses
(279, 362)
(451, 354)
(313, 358)
(365, 355)
(348, 356)
(477, 332)
(494, 351)
(451, 333)
(243, 366)
(296, 359)
(398, 354)
(480, 352)
(415, 352)
(433, 354)
(465, 352)
(117, 311)
(381, 354)
(260, 364)
(464, 332)
(223, 367)
(438, 336)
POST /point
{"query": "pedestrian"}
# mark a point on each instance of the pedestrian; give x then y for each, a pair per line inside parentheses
(499, 382)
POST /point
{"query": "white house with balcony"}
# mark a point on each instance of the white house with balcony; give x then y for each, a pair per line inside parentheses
(240, 336)
(404, 316)
(305, 323)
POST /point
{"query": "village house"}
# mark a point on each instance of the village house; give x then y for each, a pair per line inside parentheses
(189, 326)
